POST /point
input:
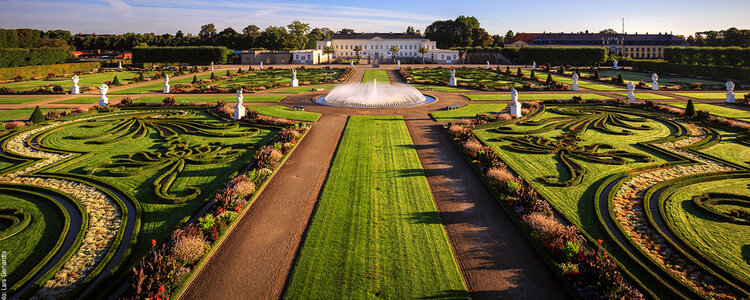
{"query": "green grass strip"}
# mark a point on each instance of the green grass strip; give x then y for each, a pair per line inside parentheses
(211, 99)
(726, 112)
(16, 114)
(381, 76)
(81, 100)
(440, 88)
(523, 96)
(376, 232)
(284, 112)
(304, 89)
(466, 112)
(703, 95)
(19, 100)
(646, 96)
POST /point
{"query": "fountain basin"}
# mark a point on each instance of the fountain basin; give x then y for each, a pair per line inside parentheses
(373, 95)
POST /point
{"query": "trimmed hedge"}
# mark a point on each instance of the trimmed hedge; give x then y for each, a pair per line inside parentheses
(709, 56)
(199, 55)
(721, 73)
(38, 71)
(562, 55)
(19, 57)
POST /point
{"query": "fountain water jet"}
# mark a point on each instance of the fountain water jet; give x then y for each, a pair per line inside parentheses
(374, 95)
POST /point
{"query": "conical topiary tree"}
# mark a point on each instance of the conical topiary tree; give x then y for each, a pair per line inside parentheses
(239, 70)
(549, 79)
(619, 79)
(533, 75)
(596, 74)
(519, 73)
(507, 70)
(229, 74)
(213, 76)
(195, 79)
(141, 77)
(163, 74)
(37, 117)
(690, 109)
(116, 81)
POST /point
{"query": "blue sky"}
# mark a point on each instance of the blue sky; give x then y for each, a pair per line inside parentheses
(168, 16)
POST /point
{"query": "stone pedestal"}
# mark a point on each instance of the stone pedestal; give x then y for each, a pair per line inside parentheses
(515, 109)
(239, 112)
(166, 89)
(730, 97)
(75, 90)
(631, 97)
(103, 101)
(453, 81)
(295, 82)
(654, 85)
(575, 86)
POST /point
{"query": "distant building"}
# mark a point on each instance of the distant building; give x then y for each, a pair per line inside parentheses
(376, 46)
(630, 45)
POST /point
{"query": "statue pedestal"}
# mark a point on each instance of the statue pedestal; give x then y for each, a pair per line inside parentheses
(655, 86)
(75, 90)
(239, 112)
(730, 97)
(103, 101)
(453, 82)
(295, 82)
(631, 97)
(515, 109)
(166, 89)
(575, 86)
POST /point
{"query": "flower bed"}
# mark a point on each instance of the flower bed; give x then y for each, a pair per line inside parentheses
(480, 79)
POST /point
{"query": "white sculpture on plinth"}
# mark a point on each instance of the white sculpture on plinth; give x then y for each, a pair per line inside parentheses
(119, 65)
(453, 77)
(166, 84)
(212, 66)
(730, 91)
(75, 90)
(533, 65)
(398, 67)
(654, 81)
(631, 95)
(239, 109)
(351, 63)
(488, 65)
(103, 89)
(261, 65)
(515, 106)
(575, 81)
(295, 82)
(614, 65)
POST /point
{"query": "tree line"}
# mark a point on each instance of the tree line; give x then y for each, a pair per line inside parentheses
(721, 38)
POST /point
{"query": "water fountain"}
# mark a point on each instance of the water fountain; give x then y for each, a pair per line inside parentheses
(374, 95)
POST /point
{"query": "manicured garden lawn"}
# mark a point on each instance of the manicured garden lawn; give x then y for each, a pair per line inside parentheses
(468, 77)
(284, 112)
(725, 243)
(466, 112)
(645, 96)
(85, 81)
(158, 85)
(439, 88)
(18, 100)
(582, 83)
(524, 96)
(273, 77)
(636, 77)
(82, 100)
(704, 95)
(211, 99)
(304, 89)
(730, 148)
(716, 110)
(380, 76)
(376, 232)
(15, 114)
(26, 249)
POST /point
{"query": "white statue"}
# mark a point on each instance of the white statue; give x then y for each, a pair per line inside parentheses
(351, 63)
(261, 65)
(631, 95)
(575, 81)
(399, 65)
(166, 84)
(453, 77)
(103, 89)
(488, 65)
(654, 81)
(730, 91)
(515, 106)
(615, 65)
(75, 90)
(239, 109)
(119, 65)
(533, 65)
(295, 82)
(212, 66)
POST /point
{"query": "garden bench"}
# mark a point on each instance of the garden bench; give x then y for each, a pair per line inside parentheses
(451, 107)
(299, 108)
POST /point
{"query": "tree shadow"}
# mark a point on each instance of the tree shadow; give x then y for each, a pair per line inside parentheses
(425, 217)
(408, 173)
(746, 253)
(448, 294)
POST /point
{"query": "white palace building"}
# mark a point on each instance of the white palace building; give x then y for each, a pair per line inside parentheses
(375, 47)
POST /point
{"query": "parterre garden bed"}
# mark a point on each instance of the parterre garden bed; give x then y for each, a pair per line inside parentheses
(103, 189)
(626, 177)
(480, 79)
(87, 83)
(260, 80)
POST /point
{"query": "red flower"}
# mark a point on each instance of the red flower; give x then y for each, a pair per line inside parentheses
(599, 241)
(153, 243)
(161, 288)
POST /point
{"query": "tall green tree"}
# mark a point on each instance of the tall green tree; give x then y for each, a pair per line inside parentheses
(509, 36)
(394, 49)
(608, 31)
(410, 30)
(208, 31)
(480, 38)
(423, 51)
(297, 38)
(273, 38)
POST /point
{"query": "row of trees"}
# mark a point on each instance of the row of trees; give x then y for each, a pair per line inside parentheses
(461, 32)
(722, 38)
(33, 38)
(709, 56)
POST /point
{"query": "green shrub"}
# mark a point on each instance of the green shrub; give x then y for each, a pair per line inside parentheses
(549, 79)
(38, 71)
(596, 74)
(619, 79)
(141, 77)
(20, 57)
(228, 73)
(116, 81)
(533, 75)
(195, 79)
(37, 117)
(690, 109)
(213, 76)
(194, 55)
(519, 73)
